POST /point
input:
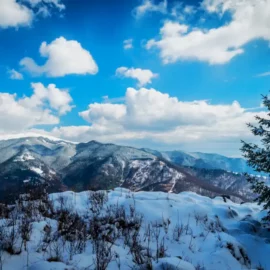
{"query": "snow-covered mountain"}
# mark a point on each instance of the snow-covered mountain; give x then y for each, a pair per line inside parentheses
(228, 181)
(220, 171)
(119, 229)
(204, 160)
(65, 165)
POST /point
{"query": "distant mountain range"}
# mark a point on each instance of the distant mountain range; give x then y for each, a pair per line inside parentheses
(65, 165)
(204, 160)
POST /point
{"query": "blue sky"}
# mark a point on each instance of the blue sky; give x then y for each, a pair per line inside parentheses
(162, 74)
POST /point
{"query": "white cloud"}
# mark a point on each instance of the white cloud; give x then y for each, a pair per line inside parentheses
(44, 12)
(250, 21)
(263, 74)
(56, 3)
(182, 12)
(15, 75)
(99, 112)
(58, 99)
(189, 9)
(149, 6)
(144, 76)
(128, 44)
(151, 109)
(43, 107)
(44, 7)
(149, 118)
(14, 13)
(64, 57)
(16, 117)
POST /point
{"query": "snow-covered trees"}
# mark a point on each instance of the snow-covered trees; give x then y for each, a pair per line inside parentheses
(258, 156)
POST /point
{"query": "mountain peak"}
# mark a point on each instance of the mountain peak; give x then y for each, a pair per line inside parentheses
(27, 135)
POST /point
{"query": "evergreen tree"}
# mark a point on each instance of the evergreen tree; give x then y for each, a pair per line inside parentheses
(258, 157)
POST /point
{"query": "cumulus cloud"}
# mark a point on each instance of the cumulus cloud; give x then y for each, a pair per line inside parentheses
(15, 75)
(249, 21)
(110, 112)
(148, 117)
(149, 6)
(64, 57)
(58, 99)
(128, 44)
(16, 117)
(144, 76)
(43, 107)
(14, 13)
(151, 109)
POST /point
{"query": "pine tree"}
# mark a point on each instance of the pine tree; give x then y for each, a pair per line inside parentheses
(258, 157)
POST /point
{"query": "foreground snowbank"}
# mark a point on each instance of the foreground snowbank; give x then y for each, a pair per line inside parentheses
(195, 232)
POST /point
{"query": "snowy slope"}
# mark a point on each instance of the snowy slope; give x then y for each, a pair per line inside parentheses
(216, 234)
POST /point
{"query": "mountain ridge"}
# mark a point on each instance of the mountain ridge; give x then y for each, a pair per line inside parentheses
(204, 160)
(94, 165)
